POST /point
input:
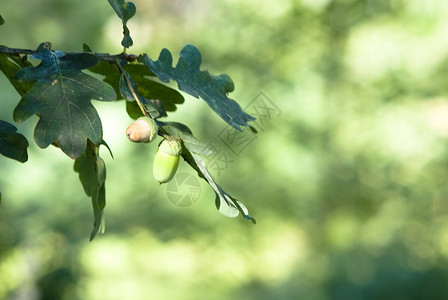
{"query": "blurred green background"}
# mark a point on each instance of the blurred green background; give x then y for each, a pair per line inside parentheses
(346, 177)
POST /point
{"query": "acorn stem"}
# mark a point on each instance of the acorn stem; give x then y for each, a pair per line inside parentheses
(134, 94)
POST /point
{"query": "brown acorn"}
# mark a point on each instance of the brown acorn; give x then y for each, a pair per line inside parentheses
(142, 130)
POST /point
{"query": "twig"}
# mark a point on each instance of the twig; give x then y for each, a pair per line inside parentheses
(13, 51)
(101, 56)
(129, 84)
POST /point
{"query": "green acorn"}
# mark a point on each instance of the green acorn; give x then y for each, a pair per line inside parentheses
(167, 160)
(142, 130)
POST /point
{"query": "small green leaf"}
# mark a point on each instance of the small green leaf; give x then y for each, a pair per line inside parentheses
(12, 144)
(10, 65)
(125, 11)
(62, 99)
(92, 174)
(86, 48)
(212, 89)
(2, 21)
(253, 129)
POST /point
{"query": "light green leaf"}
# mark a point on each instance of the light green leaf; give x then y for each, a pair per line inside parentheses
(92, 174)
(226, 204)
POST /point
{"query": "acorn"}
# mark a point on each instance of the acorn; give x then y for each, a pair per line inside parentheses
(166, 160)
(142, 130)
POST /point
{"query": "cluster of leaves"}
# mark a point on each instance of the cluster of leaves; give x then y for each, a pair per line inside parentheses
(60, 93)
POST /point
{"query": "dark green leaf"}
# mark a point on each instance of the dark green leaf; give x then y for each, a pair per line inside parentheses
(226, 204)
(110, 72)
(125, 11)
(138, 71)
(133, 110)
(92, 174)
(128, 89)
(10, 65)
(61, 96)
(212, 89)
(106, 68)
(147, 88)
(12, 144)
(2, 21)
(154, 90)
(181, 131)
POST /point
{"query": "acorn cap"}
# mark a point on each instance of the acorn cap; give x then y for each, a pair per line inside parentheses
(171, 147)
(142, 130)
